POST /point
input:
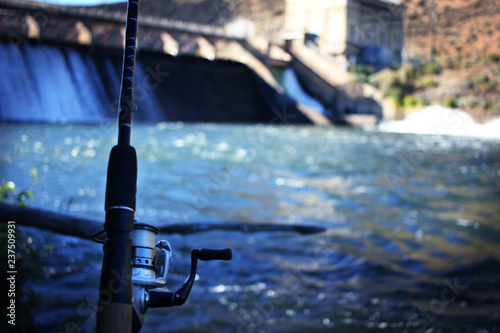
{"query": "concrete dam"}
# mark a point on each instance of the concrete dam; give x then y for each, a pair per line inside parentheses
(64, 64)
(57, 83)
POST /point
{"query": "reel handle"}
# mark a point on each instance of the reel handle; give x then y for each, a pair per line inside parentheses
(213, 254)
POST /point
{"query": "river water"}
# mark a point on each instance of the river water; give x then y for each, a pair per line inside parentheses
(413, 225)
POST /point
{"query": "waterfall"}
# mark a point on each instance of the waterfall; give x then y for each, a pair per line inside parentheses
(294, 89)
(77, 84)
(47, 83)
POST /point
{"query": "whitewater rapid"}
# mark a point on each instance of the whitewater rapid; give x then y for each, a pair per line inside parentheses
(438, 120)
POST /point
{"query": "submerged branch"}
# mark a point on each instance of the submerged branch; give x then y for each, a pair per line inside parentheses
(84, 228)
(194, 227)
(60, 223)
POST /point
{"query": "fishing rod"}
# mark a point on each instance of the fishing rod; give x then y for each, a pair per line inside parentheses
(134, 265)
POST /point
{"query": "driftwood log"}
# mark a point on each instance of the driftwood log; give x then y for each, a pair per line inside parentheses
(84, 228)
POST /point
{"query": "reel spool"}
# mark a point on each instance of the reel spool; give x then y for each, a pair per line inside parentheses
(150, 260)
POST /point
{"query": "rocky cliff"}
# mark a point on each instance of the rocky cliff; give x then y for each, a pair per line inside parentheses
(461, 40)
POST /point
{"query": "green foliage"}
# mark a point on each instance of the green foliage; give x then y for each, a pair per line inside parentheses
(9, 194)
(28, 267)
(450, 63)
(482, 84)
(421, 101)
(397, 94)
(450, 102)
(430, 69)
(372, 80)
(413, 72)
(468, 102)
(34, 172)
(362, 73)
(492, 57)
(361, 69)
(410, 72)
(386, 79)
(410, 101)
(425, 82)
(5, 189)
(27, 261)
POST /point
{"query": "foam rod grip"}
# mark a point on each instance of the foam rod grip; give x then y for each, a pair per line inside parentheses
(121, 186)
(211, 254)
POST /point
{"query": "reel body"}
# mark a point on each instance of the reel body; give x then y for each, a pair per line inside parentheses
(150, 264)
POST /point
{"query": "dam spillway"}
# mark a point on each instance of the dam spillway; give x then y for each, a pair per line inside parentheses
(44, 82)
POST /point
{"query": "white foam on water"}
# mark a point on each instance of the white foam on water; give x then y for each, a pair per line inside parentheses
(438, 120)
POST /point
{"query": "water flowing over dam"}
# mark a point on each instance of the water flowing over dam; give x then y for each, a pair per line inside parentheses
(57, 83)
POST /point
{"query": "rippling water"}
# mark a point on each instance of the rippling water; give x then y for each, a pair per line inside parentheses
(413, 225)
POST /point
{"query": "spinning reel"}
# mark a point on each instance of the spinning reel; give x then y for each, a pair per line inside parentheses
(150, 264)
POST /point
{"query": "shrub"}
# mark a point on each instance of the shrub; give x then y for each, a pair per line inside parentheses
(361, 72)
(430, 69)
(492, 57)
(397, 94)
(373, 80)
(482, 84)
(361, 69)
(410, 101)
(468, 102)
(450, 102)
(386, 79)
(449, 63)
(426, 81)
(410, 72)
(421, 101)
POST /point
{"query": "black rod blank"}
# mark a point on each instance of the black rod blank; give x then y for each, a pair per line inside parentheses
(115, 311)
(127, 87)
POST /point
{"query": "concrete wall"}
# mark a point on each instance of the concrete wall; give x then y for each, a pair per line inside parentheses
(371, 31)
(326, 18)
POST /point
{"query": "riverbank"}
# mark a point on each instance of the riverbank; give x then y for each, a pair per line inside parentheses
(473, 90)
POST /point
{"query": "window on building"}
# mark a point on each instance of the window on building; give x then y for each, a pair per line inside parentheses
(396, 39)
(370, 34)
(353, 38)
(383, 37)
